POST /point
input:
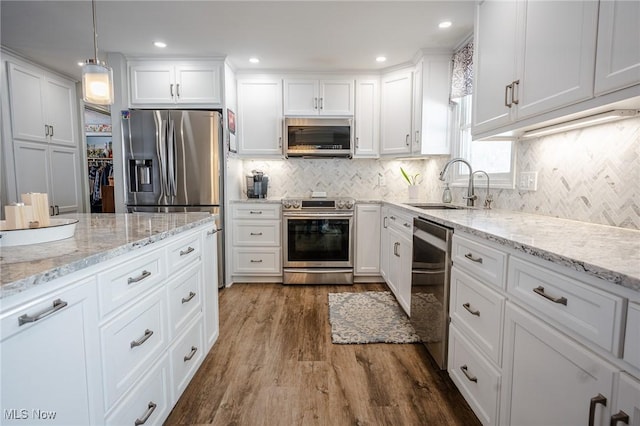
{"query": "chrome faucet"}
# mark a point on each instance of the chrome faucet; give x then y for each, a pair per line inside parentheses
(471, 197)
(489, 199)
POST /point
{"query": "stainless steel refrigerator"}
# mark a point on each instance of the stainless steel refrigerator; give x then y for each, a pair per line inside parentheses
(174, 161)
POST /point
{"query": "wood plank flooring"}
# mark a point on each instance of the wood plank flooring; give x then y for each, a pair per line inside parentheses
(274, 364)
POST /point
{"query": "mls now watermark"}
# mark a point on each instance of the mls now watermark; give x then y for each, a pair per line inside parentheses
(26, 414)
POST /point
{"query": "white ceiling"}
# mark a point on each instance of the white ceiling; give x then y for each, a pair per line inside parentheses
(285, 35)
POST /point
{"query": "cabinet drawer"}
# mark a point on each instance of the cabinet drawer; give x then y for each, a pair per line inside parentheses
(478, 311)
(401, 222)
(185, 298)
(632, 336)
(148, 399)
(186, 356)
(569, 304)
(474, 376)
(119, 285)
(256, 211)
(257, 261)
(130, 342)
(483, 262)
(256, 233)
(184, 251)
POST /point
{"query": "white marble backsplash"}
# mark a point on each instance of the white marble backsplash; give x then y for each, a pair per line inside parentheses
(591, 175)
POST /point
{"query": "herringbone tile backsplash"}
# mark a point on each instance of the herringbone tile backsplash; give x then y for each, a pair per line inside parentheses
(591, 175)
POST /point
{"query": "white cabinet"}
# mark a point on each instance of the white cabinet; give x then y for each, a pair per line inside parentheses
(162, 83)
(367, 118)
(260, 119)
(367, 259)
(384, 242)
(256, 240)
(210, 291)
(318, 97)
(632, 336)
(626, 407)
(531, 57)
(51, 359)
(43, 106)
(396, 113)
(397, 255)
(549, 379)
(618, 54)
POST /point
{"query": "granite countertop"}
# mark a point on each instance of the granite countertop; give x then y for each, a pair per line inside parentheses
(606, 252)
(98, 237)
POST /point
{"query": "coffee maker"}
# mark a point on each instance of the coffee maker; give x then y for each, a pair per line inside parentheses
(257, 184)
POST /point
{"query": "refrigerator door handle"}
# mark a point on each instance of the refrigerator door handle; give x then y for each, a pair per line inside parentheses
(160, 145)
(171, 158)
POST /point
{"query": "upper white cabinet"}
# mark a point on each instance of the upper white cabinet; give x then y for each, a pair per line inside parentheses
(161, 83)
(43, 106)
(618, 55)
(259, 122)
(396, 113)
(318, 97)
(367, 118)
(531, 57)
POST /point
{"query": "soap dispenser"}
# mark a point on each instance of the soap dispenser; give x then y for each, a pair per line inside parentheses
(446, 194)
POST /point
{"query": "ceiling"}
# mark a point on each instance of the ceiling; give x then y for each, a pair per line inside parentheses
(284, 35)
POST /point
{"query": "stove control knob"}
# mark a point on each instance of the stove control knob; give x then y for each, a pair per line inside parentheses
(340, 204)
(349, 204)
(286, 204)
(296, 204)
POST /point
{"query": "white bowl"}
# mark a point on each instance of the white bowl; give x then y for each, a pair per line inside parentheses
(59, 229)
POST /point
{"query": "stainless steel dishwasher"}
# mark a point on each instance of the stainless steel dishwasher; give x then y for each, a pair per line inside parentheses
(430, 271)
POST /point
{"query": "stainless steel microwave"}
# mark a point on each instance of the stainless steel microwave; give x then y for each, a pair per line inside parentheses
(318, 137)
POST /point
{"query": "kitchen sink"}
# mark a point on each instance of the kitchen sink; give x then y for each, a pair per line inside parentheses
(435, 206)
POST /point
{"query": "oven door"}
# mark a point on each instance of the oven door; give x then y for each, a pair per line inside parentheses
(318, 240)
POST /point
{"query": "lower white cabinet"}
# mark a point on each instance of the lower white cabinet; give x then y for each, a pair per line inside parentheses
(50, 359)
(367, 240)
(550, 379)
(186, 355)
(626, 407)
(397, 255)
(210, 286)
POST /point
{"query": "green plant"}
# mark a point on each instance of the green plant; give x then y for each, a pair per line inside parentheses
(411, 179)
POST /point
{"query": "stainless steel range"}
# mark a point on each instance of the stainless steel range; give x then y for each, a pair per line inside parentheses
(317, 240)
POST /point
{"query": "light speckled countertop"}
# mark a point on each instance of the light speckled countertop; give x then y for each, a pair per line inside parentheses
(98, 237)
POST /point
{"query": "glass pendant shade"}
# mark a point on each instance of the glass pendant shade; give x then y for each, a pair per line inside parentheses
(97, 83)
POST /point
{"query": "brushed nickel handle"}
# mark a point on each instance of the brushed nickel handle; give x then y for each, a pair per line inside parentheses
(178, 90)
(465, 371)
(187, 251)
(255, 234)
(620, 417)
(321, 103)
(56, 208)
(280, 142)
(315, 103)
(357, 142)
(472, 258)
(417, 137)
(395, 248)
(188, 298)
(406, 139)
(46, 130)
(599, 399)
(467, 306)
(57, 305)
(392, 217)
(256, 260)
(142, 276)
(147, 334)
(212, 232)
(255, 212)
(191, 354)
(384, 222)
(407, 225)
(506, 95)
(514, 92)
(171, 89)
(51, 211)
(150, 409)
(51, 133)
(540, 290)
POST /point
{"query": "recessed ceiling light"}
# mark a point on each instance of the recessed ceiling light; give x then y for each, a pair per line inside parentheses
(254, 60)
(381, 59)
(444, 24)
(159, 44)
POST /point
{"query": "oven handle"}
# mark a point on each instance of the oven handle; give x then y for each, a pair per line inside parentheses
(317, 215)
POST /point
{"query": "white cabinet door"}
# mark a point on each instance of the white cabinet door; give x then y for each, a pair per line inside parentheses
(626, 408)
(336, 97)
(549, 379)
(259, 123)
(558, 54)
(433, 114)
(618, 55)
(210, 302)
(32, 168)
(60, 107)
(384, 243)
(416, 121)
(51, 366)
(152, 83)
(198, 83)
(301, 97)
(26, 87)
(367, 259)
(65, 179)
(494, 63)
(367, 118)
(399, 275)
(396, 115)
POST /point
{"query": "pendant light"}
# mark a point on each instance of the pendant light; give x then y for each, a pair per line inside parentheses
(97, 77)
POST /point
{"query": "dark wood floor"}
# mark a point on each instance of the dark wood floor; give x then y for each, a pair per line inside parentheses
(274, 364)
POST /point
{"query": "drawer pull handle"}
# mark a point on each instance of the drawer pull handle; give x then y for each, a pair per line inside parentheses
(599, 399)
(407, 225)
(465, 371)
(620, 417)
(188, 298)
(540, 290)
(57, 305)
(142, 276)
(256, 261)
(191, 354)
(472, 258)
(395, 248)
(212, 232)
(187, 251)
(467, 306)
(150, 409)
(256, 234)
(255, 212)
(147, 333)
